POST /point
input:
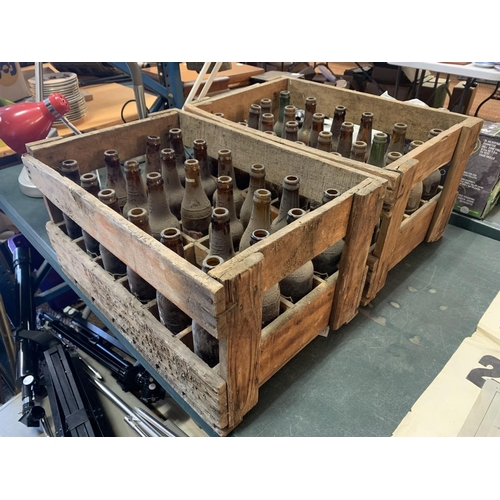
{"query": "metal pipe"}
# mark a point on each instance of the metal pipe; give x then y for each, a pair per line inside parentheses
(154, 423)
(132, 423)
(140, 99)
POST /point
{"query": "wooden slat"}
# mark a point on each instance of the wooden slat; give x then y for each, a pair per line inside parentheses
(199, 385)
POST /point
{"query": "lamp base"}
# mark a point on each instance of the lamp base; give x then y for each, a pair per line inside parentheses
(26, 186)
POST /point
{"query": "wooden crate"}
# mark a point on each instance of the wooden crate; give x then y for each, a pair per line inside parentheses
(227, 302)
(399, 233)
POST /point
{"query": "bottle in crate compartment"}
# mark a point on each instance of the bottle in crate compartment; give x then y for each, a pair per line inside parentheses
(174, 318)
(152, 157)
(221, 242)
(318, 123)
(71, 170)
(225, 199)
(338, 118)
(280, 123)
(257, 181)
(345, 139)
(201, 154)
(172, 183)
(377, 152)
(291, 131)
(136, 189)
(90, 183)
(289, 200)
(260, 217)
(397, 142)
(114, 176)
(365, 131)
(225, 167)
(177, 144)
(266, 107)
(196, 209)
(254, 116)
(267, 122)
(309, 110)
(325, 141)
(358, 151)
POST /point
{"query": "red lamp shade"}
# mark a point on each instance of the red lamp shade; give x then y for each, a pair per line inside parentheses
(26, 122)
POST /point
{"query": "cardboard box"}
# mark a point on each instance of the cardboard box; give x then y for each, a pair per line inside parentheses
(480, 185)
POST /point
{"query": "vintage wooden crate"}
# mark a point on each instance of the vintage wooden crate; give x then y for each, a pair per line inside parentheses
(227, 302)
(399, 233)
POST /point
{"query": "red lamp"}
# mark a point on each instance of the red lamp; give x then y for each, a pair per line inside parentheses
(26, 122)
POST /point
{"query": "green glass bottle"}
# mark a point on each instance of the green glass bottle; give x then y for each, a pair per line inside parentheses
(377, 152)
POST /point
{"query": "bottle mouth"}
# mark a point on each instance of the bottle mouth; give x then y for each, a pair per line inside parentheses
(110, 152)
(131, 165)
(137, 212)
(175, 131)
(220, 212)
(170, 232)
(224, 179)
(69, 164)
(106, 193)
(212, 261)
(332, 193)
(88, 177)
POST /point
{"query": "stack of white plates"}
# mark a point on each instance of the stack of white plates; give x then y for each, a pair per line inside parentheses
(67, 84)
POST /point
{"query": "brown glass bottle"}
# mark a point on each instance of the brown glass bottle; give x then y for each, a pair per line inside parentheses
(177, 144)
(291, 131)
(152, 162)
(289, 200)
(71, 170)
(257, 181)
(260, 217)
(225, 199)
(172, 183)
(267, 122)
(299, 283)
(345, 139)
(114, 176)
(90, 183)
(174, 318)
(136, 189)
(326, 263)
(397, 142)
(160, 216)
(324, 141)
(254, 116)
(205, 345)
(280, 123)
(111, 263)
(309, 110)
(358, 151)
(200, 153)
(318, 122)
(365, 131)
(271, 297)
(266, 107)
(220, 241)
(338, 118)
(377, 152)
(196, 209)
(138, 285)
(225, 167)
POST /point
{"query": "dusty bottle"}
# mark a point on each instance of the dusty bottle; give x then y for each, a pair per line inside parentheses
(174, 318)
(309, 110)
(254, 116)
(114, 176)
(338, 118)
(177, 144)
(358, 151)
(136, 189)
(172, 183)
(377, 152)
(318, 122)
(271, 297)
(90, 183)
(111, 263)
(196, 209)
(397, 142)
(225, 199)
(326, 263)
(279, 127)
(299, 283)
(221, 242)
(433, 180)
(289, 116)
(225, 167)
(138, 285)
(267, 122)
(201, 154)
(160, 216)
(152, 163)
(365, 131)
(260, 217)
(266, 107)
(291, 131)
(205, 345)
(345, 139)
(71, 170)
(324, 141)
(289, 200)
(257, 181)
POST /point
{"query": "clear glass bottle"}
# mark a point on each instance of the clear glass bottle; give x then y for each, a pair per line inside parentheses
(345, 139)
(205, 345)
(257, 181)
(324, 141)
(200, 153)
(225, 199)
(71, 170)
(220, 241)
(338, 118)
(289, 200)
(266, 107)
(260, 218)
(114, 266)
(318, 123)
(90, 183)
(358, 151)
(139, 287)
(254, 116)
(114, 176)
(309, 110)
(196, 209)
(136, 189)
(279, 127)
(226, 167)
(377, 152)
(291, 131)
(172, 183)
(272, 296)
(365, 131)
(152, 157)
(171, 316)
(397, 142)
(177, 144)
(160, 216)
(299, 283)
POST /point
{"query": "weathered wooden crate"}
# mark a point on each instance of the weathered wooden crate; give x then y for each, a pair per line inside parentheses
(227, 302)
(399, 233)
